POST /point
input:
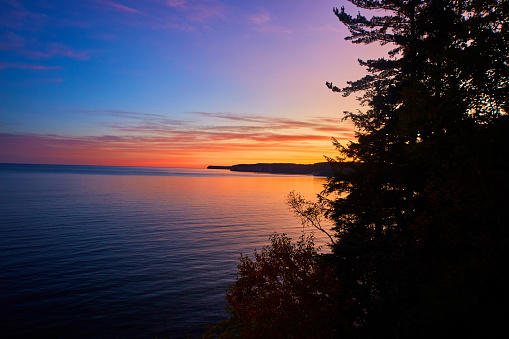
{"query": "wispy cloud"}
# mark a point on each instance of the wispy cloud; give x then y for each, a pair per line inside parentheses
(57, 49)
(120, 7)
(182, 149)
(35, 50)
(175, 24)
(199, 138)
(261, 18)
(136, 116)
(16, 16)
(4, 65)
(316, 124)
(264, 22)
(104, 36)
(205, 12)
(13, 3)
(55, 81)
(177, 3)
(11, 41)
(225, 128)
(199, 11)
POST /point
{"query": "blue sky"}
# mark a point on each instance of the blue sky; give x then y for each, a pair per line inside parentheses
(173, 82)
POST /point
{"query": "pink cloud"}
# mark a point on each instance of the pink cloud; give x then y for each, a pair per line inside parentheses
(14, 15)
(260, 18)
(4, 65)
(11, 41)
(203, 13)
(63, 50)
(107, 37)
(35, 54)
(51, 50)
(56, 81)
(228, 127)
(174, 25)
(23, 14)
(120, 7)
(177, 3)
(149, 139)
(182, 149)
(13, 3)
(200, 11)
(263, 23)
(187, 16)
(182, 141)
(317, 124)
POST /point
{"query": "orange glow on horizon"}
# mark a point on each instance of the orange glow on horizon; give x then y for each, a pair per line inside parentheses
(150, 152)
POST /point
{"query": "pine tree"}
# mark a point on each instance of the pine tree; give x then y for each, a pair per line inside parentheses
(419, 200)
(422, 217)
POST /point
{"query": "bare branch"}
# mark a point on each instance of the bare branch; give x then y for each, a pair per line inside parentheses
(310, 213)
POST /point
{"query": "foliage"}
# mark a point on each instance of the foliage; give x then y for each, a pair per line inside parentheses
(421, 216)
(421, 222)
(287, 291)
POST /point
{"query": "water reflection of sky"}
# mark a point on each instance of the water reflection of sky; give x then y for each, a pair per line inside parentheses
(131, 255)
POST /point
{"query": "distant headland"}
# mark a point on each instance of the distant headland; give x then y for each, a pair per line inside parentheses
(319, 169)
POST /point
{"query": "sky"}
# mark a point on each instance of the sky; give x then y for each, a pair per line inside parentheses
(174, 83)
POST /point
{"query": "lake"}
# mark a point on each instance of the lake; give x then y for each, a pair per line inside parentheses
(102, 252)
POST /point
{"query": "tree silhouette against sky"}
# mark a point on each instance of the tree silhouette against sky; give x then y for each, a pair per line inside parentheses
(421, 222)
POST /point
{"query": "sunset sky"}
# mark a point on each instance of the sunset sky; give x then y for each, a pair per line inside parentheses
(173, 83)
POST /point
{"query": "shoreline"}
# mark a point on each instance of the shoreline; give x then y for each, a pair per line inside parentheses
(320, 169)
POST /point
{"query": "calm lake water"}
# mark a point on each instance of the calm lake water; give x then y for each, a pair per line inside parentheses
(111, 252)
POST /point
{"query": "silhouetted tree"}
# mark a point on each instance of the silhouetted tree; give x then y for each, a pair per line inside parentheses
(421, 224)
(421, 211)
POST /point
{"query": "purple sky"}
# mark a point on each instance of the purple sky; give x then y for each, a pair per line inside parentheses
(173, 82)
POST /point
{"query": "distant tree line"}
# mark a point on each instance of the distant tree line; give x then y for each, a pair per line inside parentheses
(420, 241)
